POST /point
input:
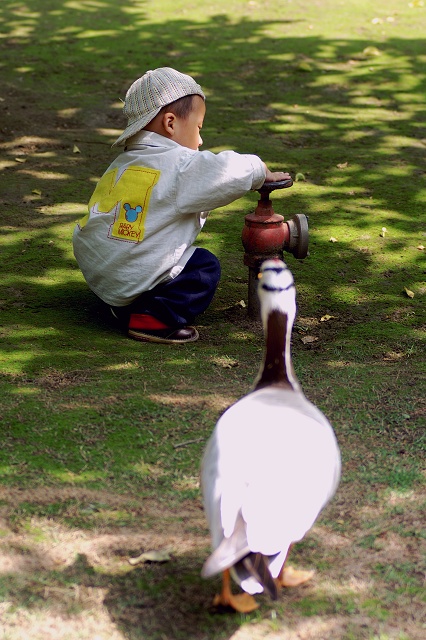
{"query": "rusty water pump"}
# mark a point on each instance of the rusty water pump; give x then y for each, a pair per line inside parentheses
(266, 235)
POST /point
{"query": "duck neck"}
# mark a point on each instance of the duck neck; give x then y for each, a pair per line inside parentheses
(277, 366)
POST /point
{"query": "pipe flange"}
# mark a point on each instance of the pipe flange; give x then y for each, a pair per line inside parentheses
(298, 236)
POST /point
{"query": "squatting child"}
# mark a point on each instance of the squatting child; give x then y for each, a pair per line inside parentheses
(135, 247)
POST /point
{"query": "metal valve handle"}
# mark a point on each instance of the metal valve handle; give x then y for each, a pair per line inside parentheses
(267, 187)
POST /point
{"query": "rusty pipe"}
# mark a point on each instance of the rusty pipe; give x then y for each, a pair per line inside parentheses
(266, 235)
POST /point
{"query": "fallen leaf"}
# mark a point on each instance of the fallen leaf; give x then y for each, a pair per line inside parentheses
(309, 339)
(228, 365)
(151, 556)
(326, 317)
(333, 239)
(20, 160)
(420, 247)
(76, 149)
(342, 165)
(371, 52)
(37, 192)
(409, 293)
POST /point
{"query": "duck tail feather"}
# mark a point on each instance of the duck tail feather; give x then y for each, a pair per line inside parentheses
(256, 565)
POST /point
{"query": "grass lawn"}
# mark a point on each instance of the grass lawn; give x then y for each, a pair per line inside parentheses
(101, 437)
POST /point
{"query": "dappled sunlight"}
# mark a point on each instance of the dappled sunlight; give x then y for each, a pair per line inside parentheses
(144, 470)
(96, 34)
(402, 497)
(119, 366)
(54, 542)
(191, 483)
(27, 140)
(90, 6)
(103, 436)
(5, 164)
(112, 133)
(22, 356)
(50, 626)
(24, 69)
(314, 628)
(20, 30)
(391, 142)
(351, 294)
(44, 175)
(84, 568)
(53, 277)
(76, 570)
(12, 563)
(330, 538)
(69, 478)
(22, 392)
(40, 626)
(215, 401)
(59, 208)
(70, 112)
(241, 335)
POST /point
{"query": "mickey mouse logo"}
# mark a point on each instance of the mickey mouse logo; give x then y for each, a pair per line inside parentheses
(132, 214)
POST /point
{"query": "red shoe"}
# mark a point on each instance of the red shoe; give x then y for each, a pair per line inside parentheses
(146, 328)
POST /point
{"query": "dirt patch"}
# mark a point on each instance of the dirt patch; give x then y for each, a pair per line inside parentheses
(87, 572)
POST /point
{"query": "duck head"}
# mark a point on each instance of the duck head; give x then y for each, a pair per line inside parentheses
(277, 295)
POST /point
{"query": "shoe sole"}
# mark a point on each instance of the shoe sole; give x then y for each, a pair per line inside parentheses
(146, 337)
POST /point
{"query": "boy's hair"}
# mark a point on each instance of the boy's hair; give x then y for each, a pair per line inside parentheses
(181, 107)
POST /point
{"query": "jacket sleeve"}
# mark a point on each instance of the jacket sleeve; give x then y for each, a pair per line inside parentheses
(206, 180)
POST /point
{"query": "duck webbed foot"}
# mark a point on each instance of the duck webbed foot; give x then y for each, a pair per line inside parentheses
(242, 602)
(289, 577)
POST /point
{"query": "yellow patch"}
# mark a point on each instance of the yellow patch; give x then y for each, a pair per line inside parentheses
(128, 196)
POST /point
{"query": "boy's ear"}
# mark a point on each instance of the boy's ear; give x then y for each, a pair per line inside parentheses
(168, 122)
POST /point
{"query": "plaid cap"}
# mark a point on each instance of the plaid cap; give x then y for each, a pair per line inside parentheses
(150, 93)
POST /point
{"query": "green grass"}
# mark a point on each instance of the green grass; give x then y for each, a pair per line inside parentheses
(101, 436)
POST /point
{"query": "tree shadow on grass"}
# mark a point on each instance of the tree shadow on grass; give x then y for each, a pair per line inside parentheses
(166, 601)
(261, 99)
(169, 600)
(308, 103)
(155, 601)
(58, 560)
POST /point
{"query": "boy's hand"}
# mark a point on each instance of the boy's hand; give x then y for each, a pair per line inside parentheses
(276, 176)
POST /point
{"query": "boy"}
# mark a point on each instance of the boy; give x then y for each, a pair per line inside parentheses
(135, 246)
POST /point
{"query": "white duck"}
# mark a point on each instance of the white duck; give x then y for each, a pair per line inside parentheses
(270, 466)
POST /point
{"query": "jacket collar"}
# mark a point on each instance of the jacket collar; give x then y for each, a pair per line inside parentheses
(150, 139)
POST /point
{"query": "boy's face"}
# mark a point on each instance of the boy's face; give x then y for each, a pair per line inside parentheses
(187, 131)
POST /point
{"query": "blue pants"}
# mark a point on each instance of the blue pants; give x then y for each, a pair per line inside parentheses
(179, 301)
